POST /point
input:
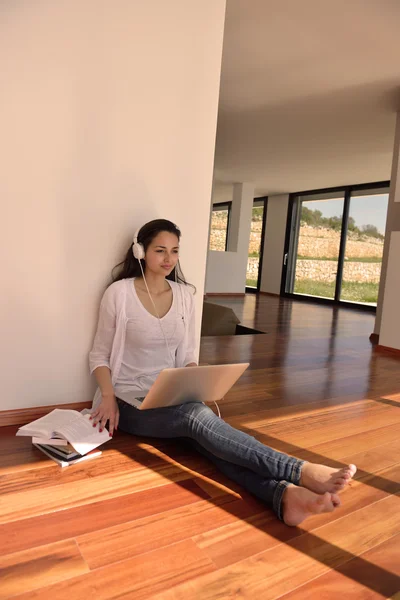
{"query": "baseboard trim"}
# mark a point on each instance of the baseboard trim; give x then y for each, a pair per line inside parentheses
(374, 338)
(222, 294)
(21, 416)
(388, 350)
(269, 294)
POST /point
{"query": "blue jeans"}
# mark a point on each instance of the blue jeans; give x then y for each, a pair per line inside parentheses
(261, 470)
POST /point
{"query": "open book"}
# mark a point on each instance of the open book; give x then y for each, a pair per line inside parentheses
(70, 425)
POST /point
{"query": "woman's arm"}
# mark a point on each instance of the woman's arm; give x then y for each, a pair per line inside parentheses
(99, 359)
(191, 354)
(107, 410)
(103, 378)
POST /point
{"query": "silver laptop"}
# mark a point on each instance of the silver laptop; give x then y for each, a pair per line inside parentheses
(192, 384)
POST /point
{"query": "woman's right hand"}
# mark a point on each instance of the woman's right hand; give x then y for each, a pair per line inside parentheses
(107, 410)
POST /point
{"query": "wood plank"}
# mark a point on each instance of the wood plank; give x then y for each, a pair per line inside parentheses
(20, 505)
(242, 539)
(64, 524)
(32, 569)
(140, 577)
(284, 567)
(344, 446)
(359, 577)
(157, 531)
(372, 459)
(313, 429)
(125, 455)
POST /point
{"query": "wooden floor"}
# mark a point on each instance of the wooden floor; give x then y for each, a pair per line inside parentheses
(156, 520)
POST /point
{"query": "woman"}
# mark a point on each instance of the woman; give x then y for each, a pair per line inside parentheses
(146, 324)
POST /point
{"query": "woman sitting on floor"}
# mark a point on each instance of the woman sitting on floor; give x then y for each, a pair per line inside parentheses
(150, 299)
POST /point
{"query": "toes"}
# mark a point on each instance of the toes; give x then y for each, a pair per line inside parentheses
(349, 471)
(338, 488)
(335, 500)
(324, 499)
(341, 481)
(321, 499)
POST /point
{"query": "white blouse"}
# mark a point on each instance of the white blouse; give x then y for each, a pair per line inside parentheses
(129, 340)
(146, 352)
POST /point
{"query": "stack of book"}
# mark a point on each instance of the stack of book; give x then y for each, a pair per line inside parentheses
(66, 436)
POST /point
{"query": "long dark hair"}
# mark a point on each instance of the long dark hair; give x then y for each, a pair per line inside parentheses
(130, 267)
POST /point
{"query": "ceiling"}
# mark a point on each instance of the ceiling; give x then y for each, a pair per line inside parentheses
(309, 94)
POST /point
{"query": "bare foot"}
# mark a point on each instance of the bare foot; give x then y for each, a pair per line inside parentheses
(299, 504)
(321, 479)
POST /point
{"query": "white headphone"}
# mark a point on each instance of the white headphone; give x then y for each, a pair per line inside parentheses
(137, 249)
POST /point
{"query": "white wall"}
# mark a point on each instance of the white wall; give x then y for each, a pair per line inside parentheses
(108, 119)
(390, 324)
(274, 243)
(226, 271)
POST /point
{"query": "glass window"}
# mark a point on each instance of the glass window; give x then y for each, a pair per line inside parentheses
(364, 247)
(318, 246)
(220, 227)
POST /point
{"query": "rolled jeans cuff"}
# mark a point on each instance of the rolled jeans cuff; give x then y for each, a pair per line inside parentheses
(282, 485)
(296, 471)
(277, 500)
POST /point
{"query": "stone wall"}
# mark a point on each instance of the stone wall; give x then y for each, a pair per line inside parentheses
(321, 242)
(315, 242)
(218, 234)
(325, 270)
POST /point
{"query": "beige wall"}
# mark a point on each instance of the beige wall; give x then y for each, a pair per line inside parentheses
(274, 243)
(392, 224)
(390, 325)
(108, 119)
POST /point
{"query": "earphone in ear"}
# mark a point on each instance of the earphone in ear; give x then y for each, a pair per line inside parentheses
(137, 248)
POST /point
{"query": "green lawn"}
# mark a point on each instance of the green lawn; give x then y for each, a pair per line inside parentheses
(251, 282)
(351, 290)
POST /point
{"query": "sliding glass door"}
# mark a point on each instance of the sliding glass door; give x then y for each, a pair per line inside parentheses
(318, 245)
(334, 244)
(365, 237)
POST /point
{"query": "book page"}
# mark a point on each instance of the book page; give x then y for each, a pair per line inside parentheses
(46, 425)
(82, 435)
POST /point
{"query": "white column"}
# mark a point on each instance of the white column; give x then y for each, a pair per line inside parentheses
(387, 324)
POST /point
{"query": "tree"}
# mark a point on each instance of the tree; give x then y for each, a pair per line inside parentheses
(372, 231)
(334, 223)
(311, 217)
(258, 213)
